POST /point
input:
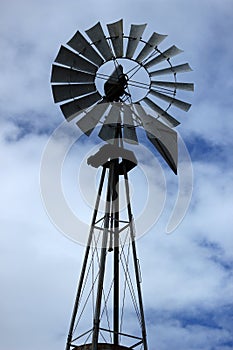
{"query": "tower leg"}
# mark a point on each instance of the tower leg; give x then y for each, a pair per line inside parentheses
(83, 271)
(116, 257)
(136, 267)
(109, 196)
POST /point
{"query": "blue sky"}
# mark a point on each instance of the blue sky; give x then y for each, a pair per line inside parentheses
(187, 275)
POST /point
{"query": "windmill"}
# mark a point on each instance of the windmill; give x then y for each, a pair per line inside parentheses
(109, 82)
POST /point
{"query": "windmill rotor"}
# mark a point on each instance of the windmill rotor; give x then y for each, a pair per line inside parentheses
(108, 67)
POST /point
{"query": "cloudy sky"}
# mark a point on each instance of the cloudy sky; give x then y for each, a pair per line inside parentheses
(187, 275)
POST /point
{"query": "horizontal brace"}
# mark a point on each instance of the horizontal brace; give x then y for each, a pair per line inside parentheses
(80, 336)
(111, 231)
(99, 220)
(103, 229)
(136, 344)
(123, 228)
(123, 334)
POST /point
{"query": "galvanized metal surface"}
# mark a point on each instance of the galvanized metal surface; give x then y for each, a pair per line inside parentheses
(81, 45)
(172, 51)
(181, 68)
(154, 40)
(68, 75)
(172, 122)
(173, 85)
(116, 35)
(163, 138)
(136, 31)
(91, 119)
(73, 108)
(71, 91)
(101, 346)
(96, 34)
(68, 58)
(170, 99)
(129, 130)
(108, 130)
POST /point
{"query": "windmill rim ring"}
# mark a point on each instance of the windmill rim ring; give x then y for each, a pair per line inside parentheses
(156, 50)
(100, 49)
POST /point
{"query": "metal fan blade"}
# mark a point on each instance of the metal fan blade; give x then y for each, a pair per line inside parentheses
(68, 75)
(116, 35)
(108, 130)
(178, 103)
(96, 34)
(154, 40)
(172, 122)
(181, 68)
(165, 153)
(68, 91)
(171, 52)
(136, 31)
(140, 111)
(163, 138)
(174, 85)
(73, 60)
(73, 108)
(81, 45)
(130, 134)
(90, 120)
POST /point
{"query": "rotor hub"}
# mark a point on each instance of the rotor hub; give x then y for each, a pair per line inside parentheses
(129, 85)
(115, 88)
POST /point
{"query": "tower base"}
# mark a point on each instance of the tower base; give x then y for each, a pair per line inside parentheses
(101, 346)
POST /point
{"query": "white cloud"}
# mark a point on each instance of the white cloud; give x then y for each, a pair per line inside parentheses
(192, 336)
(188, 270)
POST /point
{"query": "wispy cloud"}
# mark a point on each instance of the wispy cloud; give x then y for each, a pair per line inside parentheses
(187, 276)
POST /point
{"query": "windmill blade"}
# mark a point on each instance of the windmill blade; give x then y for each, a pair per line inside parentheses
(163, 138)
(171, 52)
(154, 40)
(178, 103)
(70, 91)
(116, 35)
(108, 130)
(68, 75)
(96, 34)
(130, 134)
(181, 68)
(140, 111)
(71, 59)
(165, 152)
(172, 122)
(81, 45)
(73, 108)
(136, 31)
(173, 85)
(91, 119)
